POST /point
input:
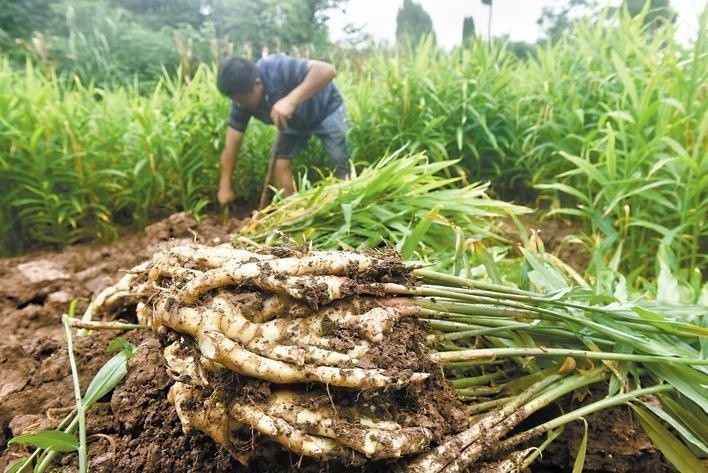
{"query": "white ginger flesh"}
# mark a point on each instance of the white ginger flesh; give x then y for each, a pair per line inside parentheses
(306, 422)
(272, 318)
(300, 322)
(259, 353)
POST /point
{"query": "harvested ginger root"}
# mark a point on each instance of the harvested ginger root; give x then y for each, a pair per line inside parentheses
(342, 385)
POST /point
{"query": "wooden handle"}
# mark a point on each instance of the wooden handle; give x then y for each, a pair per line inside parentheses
(269, 174)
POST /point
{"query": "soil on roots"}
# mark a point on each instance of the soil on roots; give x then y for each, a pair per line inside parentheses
(135, 428)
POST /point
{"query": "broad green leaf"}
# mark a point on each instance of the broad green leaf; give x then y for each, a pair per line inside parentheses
(675, 146)
(661, 230)
(586, 167)
(674, 451)
(106, 379)
(579, 462)
(488, 261)
(413, 239)
(661, 163)
(679, 420)
(688, 412)
(139, 166)
(34, 139)
(120, 343)
(667, 283)
(669, 326)
(24, 465)
(687, 380)
(621, 115)
(432, 124)
(545, 277)
(55, 439)
(673, 103)
(636, 191)
(347, 214)
(626, 78)
(566, 189)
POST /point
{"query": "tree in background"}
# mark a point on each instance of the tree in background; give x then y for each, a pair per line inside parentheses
(356, 37)
(489, 20)
(111, 42)
(556, 20)
(520, 49)
(468, 30)
(161, 13)
(19, 20)
(659, 12)
(412, 23)
(273, 25)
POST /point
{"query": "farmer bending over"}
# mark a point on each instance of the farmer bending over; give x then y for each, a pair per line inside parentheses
(298, 96)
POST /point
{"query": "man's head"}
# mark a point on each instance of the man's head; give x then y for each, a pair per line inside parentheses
(239, 79)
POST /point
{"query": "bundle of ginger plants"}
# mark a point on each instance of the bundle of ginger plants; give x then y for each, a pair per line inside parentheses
(326, 354)
(301, 347)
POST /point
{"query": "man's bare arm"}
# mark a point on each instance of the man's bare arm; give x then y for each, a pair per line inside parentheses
(319, 74)
(229, 158)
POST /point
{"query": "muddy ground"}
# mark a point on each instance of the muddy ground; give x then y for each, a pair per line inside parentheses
(134, 428)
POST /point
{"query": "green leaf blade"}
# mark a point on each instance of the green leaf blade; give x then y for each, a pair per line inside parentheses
(55, 439)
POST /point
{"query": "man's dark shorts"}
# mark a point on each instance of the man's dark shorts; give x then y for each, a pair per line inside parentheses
(332, 131)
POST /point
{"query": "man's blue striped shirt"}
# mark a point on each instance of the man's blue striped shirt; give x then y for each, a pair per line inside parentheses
(280, 74)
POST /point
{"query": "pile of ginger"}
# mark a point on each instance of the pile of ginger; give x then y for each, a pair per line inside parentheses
(302, 348)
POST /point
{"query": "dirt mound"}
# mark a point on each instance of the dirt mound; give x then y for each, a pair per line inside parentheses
(135, 428)
(616, 443)
(37, 289)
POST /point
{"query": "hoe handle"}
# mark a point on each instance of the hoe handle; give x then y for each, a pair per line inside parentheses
(269, 174)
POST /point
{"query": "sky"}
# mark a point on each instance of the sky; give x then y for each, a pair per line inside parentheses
(517, 18)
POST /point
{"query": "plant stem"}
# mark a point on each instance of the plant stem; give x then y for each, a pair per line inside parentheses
(492, 353)
(459, 282)
(477, 391)
(485, 405)
(49, 452)
(581, 412)
(639, 343)
(83, 460)
(473, 450)
(104, 325)
(478, 380)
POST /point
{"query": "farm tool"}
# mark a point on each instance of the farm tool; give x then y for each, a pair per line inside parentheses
(263, 201)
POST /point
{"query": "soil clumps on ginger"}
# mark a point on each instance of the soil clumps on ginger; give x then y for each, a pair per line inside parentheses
(136, 428)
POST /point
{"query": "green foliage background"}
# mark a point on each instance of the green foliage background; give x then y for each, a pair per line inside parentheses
(123, 42)
(606, 126)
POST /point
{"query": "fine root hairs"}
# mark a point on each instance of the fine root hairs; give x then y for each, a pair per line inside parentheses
(270, 322)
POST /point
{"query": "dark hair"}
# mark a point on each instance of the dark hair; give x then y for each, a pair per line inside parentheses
(236, 75)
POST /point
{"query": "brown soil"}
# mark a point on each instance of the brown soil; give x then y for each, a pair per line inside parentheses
(616, 443)
(559, 238)
(135, 428)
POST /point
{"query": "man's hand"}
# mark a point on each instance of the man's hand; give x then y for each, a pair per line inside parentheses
(232, 144)
(226, 195)
(281, 112)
